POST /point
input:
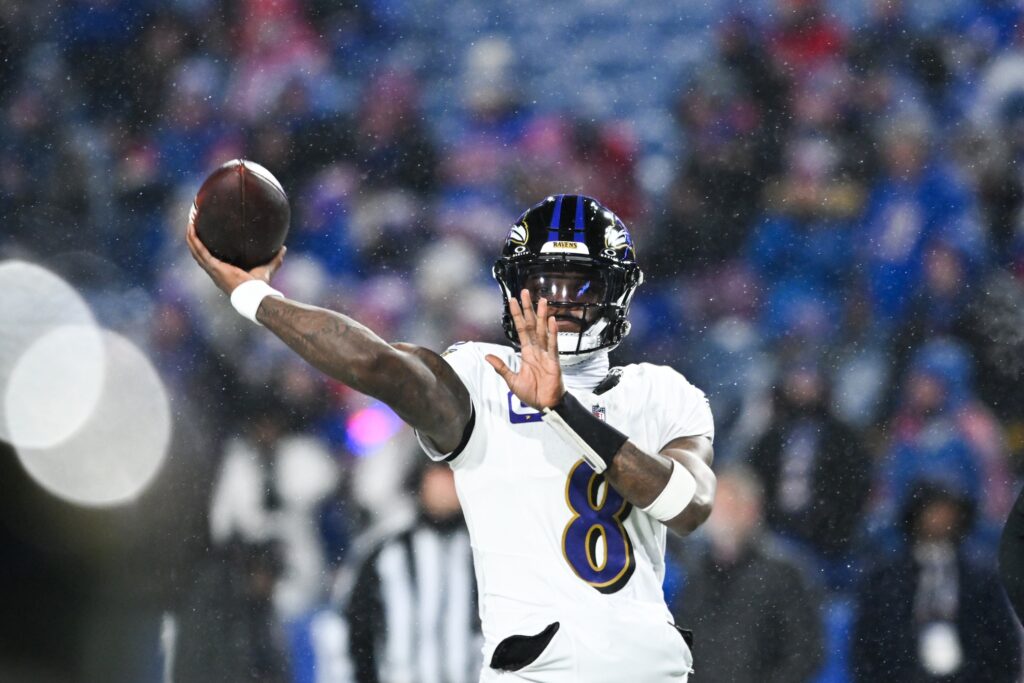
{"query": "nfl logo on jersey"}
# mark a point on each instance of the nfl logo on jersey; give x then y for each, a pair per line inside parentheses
(599, 412)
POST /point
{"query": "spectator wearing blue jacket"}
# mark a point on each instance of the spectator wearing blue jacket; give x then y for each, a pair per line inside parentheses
(942, 433)
(915, 201)
(800, 251)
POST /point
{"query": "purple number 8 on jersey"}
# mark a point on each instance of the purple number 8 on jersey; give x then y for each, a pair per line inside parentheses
(596, 520)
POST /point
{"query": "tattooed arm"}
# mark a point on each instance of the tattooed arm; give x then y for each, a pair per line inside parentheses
(640, 477)
(415, 382)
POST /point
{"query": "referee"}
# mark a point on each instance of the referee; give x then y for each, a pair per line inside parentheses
(413, 614)
(1011, 556)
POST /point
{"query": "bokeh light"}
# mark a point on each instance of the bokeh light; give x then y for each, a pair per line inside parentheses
(54, 386)
(120, 447)
(371, 427)
(37, 302)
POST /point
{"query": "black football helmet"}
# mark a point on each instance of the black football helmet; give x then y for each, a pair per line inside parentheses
(576, 253)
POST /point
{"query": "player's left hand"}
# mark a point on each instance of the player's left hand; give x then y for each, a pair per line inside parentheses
(538, 383)
(225, 275)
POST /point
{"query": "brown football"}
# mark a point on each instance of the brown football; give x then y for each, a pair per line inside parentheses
(241, 214)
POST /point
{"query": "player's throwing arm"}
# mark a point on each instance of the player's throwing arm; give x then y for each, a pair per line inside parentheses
(675, 486)
(415, 382)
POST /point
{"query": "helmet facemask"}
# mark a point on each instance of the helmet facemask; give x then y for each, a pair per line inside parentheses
(589, 299)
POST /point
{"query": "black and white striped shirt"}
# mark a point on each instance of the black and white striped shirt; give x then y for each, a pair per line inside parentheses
(413, 612)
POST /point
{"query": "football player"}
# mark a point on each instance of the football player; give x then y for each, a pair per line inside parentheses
(569, 472)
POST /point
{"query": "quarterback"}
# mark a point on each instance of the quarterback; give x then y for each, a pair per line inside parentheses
(569, 471)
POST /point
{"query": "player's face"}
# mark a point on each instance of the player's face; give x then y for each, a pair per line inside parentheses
(575, 294)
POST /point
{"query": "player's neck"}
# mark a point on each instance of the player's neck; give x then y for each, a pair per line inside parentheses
(587, 373)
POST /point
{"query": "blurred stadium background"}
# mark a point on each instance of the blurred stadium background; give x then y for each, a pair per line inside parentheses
(826, 199)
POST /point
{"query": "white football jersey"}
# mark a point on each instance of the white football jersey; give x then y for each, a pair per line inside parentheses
(552, 542)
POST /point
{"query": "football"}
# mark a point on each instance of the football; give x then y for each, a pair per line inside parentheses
(241, 214)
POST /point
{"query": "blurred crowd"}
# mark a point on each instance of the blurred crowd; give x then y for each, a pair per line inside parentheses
(834, 252)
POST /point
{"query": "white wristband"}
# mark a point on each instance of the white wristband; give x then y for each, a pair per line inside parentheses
(246, 297)
(676, 495)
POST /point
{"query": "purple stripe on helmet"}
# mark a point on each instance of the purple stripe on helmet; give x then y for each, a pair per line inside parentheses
(578, 235)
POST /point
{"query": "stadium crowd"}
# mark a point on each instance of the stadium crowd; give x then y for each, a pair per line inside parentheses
(832, 231)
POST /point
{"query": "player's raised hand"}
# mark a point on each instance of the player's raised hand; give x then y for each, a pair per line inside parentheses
(538, 383)
(225, 275)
